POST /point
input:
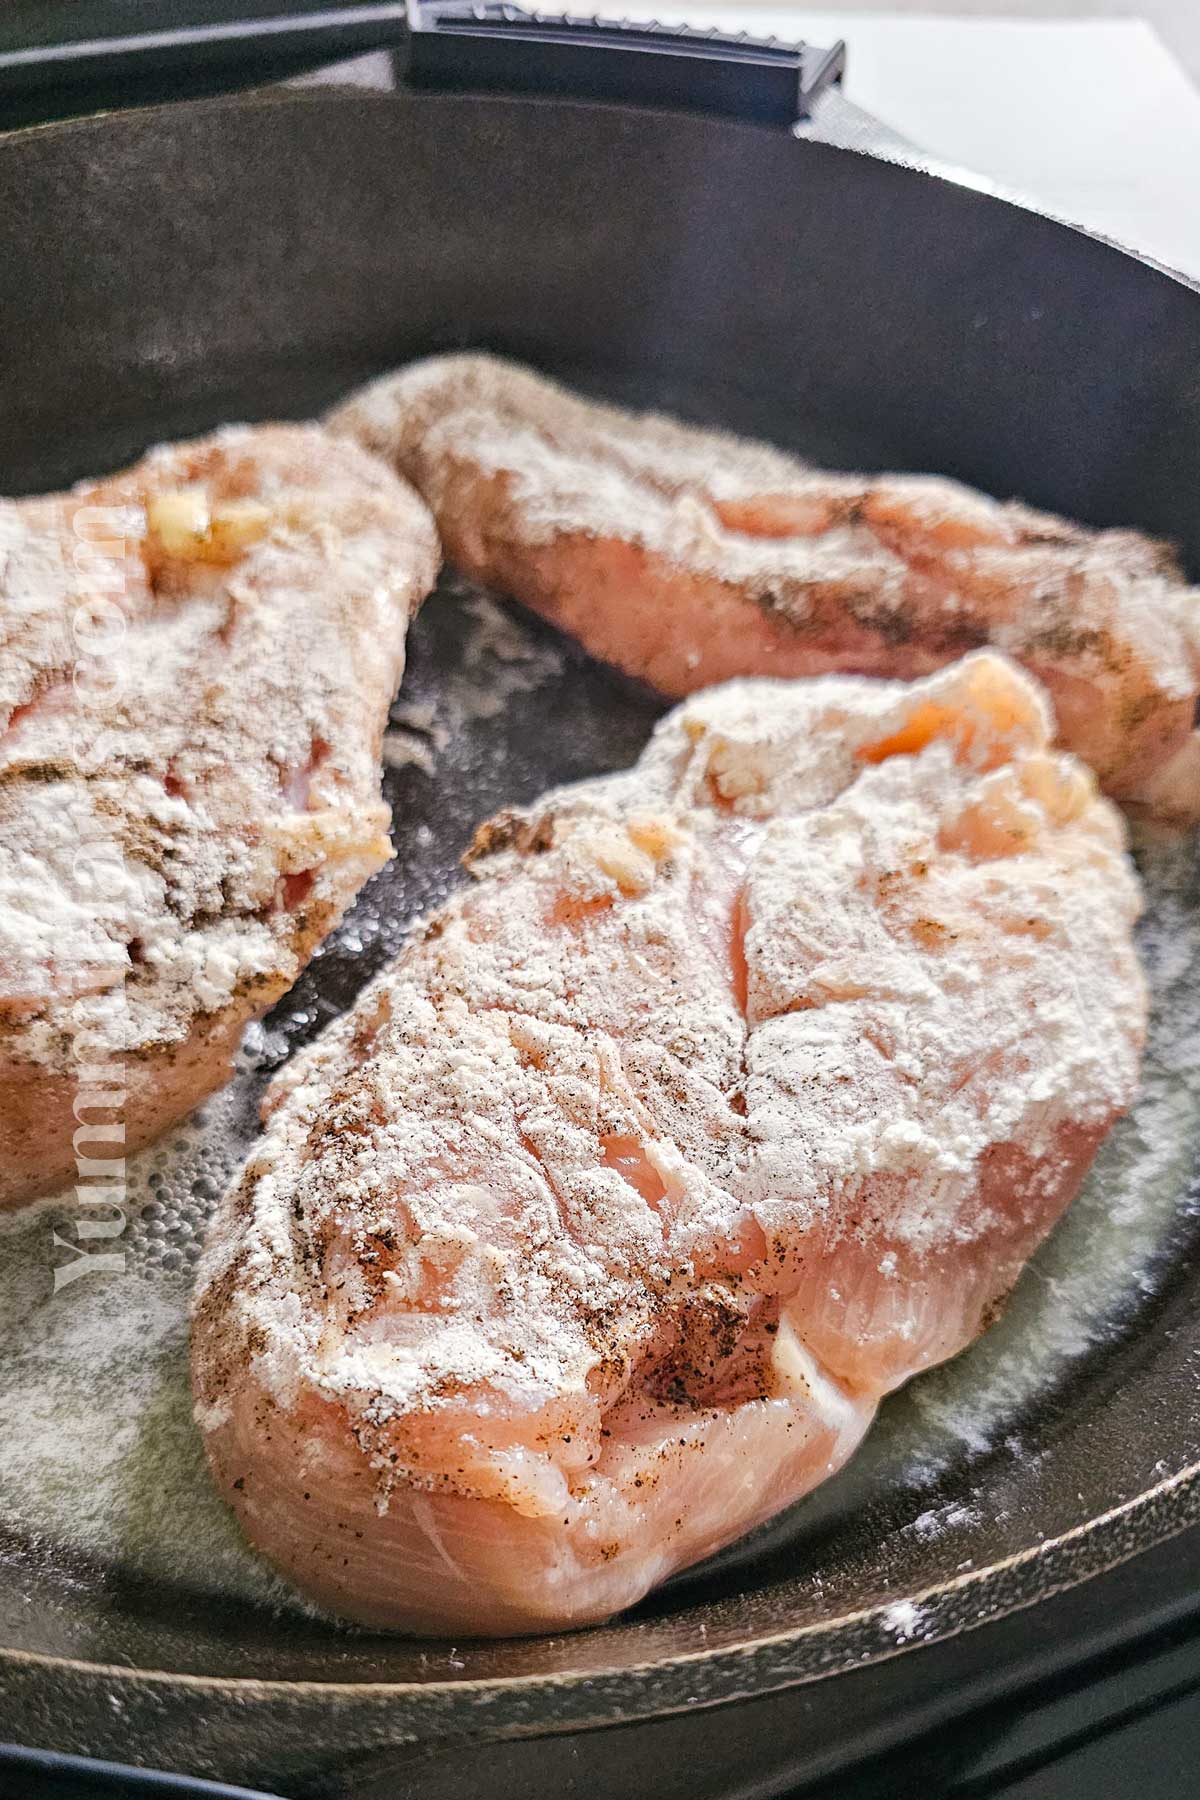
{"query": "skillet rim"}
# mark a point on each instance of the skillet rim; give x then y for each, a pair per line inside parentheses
(893, 150)
(658, 1688)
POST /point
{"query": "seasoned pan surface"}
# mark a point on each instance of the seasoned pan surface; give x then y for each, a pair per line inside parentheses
(245, 259)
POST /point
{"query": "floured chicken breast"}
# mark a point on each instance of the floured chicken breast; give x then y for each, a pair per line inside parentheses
(687, 557)
(196, 662)
(736, 1090)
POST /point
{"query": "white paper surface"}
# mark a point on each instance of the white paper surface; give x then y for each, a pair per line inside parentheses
(1093, 119)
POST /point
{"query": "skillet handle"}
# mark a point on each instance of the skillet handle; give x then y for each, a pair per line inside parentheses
(104, 53)
(493, 46)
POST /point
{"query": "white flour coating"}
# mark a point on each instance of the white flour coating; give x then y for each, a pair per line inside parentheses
(552, 498)
(499, 663)
(237, 742)
(1136, 1193)
(903, 1618)
(932, 1523)
(405, 750)
(496, 663)
(494, 1182)
(129, 1331)
(415, 736)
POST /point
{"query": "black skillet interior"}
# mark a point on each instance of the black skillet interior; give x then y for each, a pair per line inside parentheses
(163, 271)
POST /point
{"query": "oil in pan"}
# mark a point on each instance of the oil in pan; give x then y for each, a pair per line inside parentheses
(98, 1455)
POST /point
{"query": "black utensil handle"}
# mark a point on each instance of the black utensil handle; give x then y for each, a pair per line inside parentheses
(492, 46)
(47, 1775)
(117, 41)
(101, 54)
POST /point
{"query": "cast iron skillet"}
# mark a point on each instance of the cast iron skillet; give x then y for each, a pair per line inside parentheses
(163, 270)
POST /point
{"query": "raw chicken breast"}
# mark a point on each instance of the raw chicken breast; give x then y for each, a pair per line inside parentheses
(736, 1090)
(687, 557)
(196, 662)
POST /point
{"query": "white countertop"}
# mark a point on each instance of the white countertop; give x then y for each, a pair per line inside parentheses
(1093, 119)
